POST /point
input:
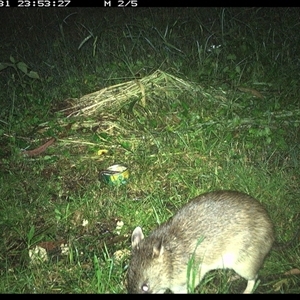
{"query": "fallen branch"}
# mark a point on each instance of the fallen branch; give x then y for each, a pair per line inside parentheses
(39, 150)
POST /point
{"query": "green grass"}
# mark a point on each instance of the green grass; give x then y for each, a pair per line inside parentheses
(213, 135)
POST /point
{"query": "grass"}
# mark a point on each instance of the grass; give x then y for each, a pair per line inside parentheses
(196, 100)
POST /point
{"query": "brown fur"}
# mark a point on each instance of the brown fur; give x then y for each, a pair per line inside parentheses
(223, 229)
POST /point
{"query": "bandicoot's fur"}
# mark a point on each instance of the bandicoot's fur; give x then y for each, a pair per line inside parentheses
(216, 230)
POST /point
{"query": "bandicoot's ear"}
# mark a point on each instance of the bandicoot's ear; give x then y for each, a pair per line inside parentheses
(136, 237)
(158, 249)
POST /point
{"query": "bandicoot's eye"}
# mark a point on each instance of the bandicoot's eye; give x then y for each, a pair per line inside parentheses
(145, 287)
